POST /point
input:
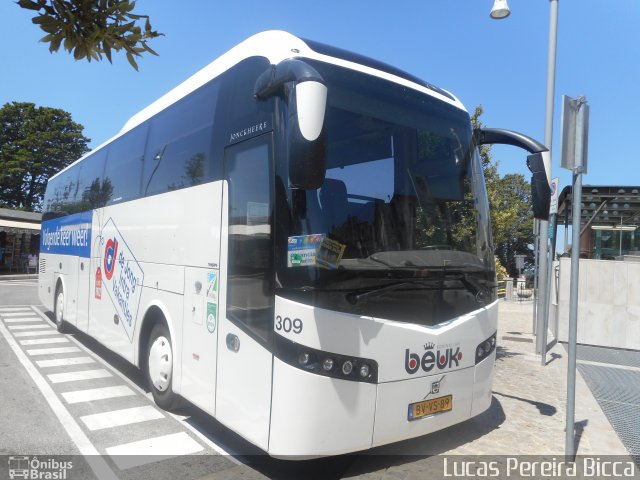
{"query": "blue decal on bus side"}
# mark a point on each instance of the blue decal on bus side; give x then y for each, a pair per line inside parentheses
(69, 235)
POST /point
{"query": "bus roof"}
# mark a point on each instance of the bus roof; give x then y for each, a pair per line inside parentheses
(277, 45)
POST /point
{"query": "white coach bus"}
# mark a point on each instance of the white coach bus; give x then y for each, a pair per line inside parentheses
(296, 240)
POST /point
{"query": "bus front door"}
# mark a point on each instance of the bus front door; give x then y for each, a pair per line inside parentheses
(243, 393)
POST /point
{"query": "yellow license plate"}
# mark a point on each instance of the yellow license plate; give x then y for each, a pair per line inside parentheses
(430, 407)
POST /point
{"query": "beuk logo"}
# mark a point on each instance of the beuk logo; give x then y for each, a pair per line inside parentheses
(440, 358)
(110, 255)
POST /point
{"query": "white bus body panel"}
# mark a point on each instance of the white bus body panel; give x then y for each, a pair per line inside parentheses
(244, 386)
(178, 228)
(199, 339)
(314, 415)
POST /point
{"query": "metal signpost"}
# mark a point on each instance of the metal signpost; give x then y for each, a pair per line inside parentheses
(553, 212)
(575, 128)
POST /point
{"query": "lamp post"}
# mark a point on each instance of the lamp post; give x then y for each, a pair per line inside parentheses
(501, 10)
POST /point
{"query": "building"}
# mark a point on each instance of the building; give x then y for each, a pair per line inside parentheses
(609, 218)
(19, 237)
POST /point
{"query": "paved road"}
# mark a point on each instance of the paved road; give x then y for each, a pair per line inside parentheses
(67, 395)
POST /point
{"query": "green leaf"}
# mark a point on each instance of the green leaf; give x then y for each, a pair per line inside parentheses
(132, 61)
(149, 49)
(55, 44)
(68, 44)
(28, 4)
(107, 51)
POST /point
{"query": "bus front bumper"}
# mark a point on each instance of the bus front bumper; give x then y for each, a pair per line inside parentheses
(314, 416)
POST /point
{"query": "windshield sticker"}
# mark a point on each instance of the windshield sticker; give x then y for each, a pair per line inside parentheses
(330, 253)
(314, 250)
(302, 250)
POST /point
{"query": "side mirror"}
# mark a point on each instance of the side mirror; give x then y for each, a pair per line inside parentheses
(540, 188)
(306, 136)
(306, 96)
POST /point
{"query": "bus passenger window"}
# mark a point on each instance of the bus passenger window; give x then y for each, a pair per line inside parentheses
(124, 165)
(179, 146)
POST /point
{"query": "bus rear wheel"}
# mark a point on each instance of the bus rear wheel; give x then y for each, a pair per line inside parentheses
(58, 310)
(160, 368)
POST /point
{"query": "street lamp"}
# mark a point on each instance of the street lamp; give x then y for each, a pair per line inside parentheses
(500, 9)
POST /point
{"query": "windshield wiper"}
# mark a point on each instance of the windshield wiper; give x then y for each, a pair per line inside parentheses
(354, 297)
(470, 283)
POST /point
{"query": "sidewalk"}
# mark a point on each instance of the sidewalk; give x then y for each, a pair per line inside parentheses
(17, 276)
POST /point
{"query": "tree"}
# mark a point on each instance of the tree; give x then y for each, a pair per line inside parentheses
(515, 221)
(91, 28)
(510, 206)
(35, 143)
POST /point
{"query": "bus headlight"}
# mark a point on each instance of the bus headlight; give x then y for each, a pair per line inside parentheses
(485, 348)
(327, 364)
(303, 359)
(347, 367)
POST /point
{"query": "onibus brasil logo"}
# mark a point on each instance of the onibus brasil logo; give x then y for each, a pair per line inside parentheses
(22, 466)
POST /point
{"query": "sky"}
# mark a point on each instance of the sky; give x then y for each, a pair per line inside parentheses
(454, 44)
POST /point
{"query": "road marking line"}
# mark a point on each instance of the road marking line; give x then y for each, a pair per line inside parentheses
(17, 313)
(92, 394)
(78, 375)
(64, 362)
(99, 466)
(44, 341)
(28, 327)
(135, 454)
(22, 320)
(13, 309)
(609, 365)
(182, 421)
(35, 333)
(117, 418)
(50, 351)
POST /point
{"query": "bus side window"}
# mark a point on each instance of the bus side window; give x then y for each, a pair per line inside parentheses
(179, 147)
(59, 200)
(92, 191)
(124, 165)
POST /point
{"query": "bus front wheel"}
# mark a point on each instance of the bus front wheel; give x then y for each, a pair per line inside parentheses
(160, 368)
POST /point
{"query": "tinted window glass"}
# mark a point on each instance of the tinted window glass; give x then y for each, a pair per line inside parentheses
(124, 165)
(249, 295)
(92, 192)
(179, 146)
(59, 200)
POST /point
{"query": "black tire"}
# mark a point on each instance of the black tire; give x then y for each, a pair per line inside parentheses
(58, 310)
(159, 368)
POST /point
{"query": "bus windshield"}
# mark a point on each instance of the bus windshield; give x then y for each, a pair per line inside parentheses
(402, 216)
